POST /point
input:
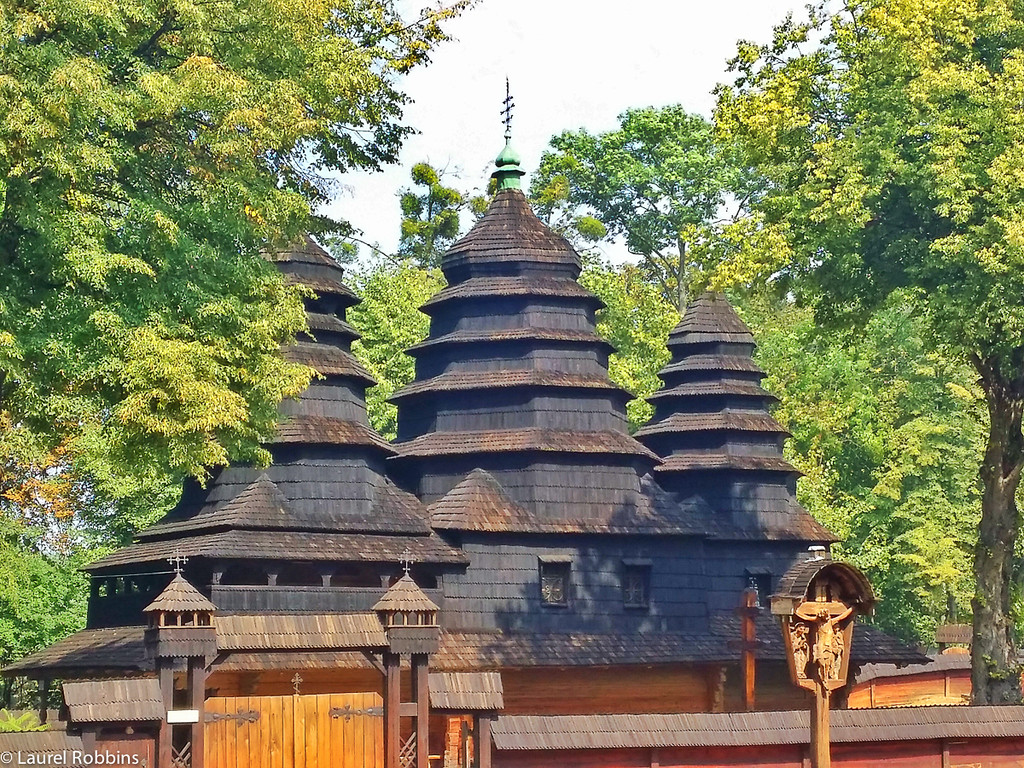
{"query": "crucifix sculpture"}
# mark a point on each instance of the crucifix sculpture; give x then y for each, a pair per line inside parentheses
(817, 602)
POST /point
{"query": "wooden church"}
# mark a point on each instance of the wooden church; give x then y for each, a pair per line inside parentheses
(503, 584)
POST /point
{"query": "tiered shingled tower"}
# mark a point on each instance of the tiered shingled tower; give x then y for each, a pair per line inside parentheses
(716, 438)
(323, 514)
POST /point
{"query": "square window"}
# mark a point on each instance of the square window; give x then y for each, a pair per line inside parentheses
(636, 586)
(554, 583)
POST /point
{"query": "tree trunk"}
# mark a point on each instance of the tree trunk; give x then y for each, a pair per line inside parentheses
(995, 673)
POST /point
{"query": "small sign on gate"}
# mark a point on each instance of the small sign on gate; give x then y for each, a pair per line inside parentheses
(182, 716)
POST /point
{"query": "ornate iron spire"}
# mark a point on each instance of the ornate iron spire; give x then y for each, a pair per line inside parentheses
(508, 172)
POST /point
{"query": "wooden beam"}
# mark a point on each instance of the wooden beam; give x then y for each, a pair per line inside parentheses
(421, 697)
(820, 753)
(166, 677)
(197, 691)
(44, 698)
(392, 704)
(484, 745)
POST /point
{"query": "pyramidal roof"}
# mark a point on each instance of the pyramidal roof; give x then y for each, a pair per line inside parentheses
(405, 595)
(180, 596)
(713, 430)
(327, 483)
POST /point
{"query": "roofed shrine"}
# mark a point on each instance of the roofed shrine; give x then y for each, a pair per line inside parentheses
(513, 559)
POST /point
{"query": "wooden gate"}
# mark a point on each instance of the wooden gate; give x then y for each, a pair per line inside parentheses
(336, 730)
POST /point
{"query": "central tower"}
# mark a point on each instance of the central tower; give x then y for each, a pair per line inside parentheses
(513, 382)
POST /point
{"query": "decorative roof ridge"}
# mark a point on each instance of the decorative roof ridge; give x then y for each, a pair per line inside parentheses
(511, 285)
(724, 419)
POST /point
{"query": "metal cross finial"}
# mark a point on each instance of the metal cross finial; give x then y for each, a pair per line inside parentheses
(177, 561)
(507, 111)
(296, 682)
(407, 560)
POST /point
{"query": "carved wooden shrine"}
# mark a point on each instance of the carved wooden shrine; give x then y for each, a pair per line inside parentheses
(817, 603)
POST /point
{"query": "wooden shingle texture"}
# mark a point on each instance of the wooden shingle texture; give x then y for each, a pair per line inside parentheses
(180, 596)
(258, 632)
(572, 732)
(466, 691)
(132, 699)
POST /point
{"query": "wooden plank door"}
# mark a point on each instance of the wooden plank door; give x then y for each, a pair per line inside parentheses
(339, 730)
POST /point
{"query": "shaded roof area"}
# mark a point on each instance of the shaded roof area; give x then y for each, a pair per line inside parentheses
(47, 747)
(180, 596)
(327, 483)
(130, 699)
(466, 691)
(503, 286)
(287, 545)
(940, 662)
(118, 649)
(510, 232)
(495, 650)
(713, 431)
(556, 732)
(480, 503)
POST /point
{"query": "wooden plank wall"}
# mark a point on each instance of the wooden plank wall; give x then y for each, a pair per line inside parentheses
(941, 687)
(595, 691)
(295, 732)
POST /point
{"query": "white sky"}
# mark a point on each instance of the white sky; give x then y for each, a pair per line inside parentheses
(571, 63)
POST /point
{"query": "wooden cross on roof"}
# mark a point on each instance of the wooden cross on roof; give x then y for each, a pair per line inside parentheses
(507, 111)
(407, 560)
(177, 561)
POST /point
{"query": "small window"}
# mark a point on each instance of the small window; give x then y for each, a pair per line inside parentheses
(761, 583)
(636, 586)
(554, 583)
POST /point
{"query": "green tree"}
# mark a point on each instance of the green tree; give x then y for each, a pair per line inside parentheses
(892, 138)
(661, 181)
(886, 434)
(148, 150)
(389, 320)
(431, 216)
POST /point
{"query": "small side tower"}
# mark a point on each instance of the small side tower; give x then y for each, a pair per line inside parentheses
(181, 636)
(410, 620)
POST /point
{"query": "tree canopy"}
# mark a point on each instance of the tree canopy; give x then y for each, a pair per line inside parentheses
(661, 181)
(892, 138)
(148, 152)
(432, 215)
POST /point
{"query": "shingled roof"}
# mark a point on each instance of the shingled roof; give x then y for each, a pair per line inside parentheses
(513, 381)
(405, 595)
(712, 429)
(326, 496)
(181, 597)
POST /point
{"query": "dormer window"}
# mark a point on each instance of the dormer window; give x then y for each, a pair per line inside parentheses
(555, 581)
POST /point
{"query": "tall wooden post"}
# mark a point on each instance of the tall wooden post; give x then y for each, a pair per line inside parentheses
(421, 696)
(483, 741)
(748, 611)
(44, 698)
(165, 672)
(197, 689)
(392, 709)
(821, 756)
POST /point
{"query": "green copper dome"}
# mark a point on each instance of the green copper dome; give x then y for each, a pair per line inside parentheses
(508, 172)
